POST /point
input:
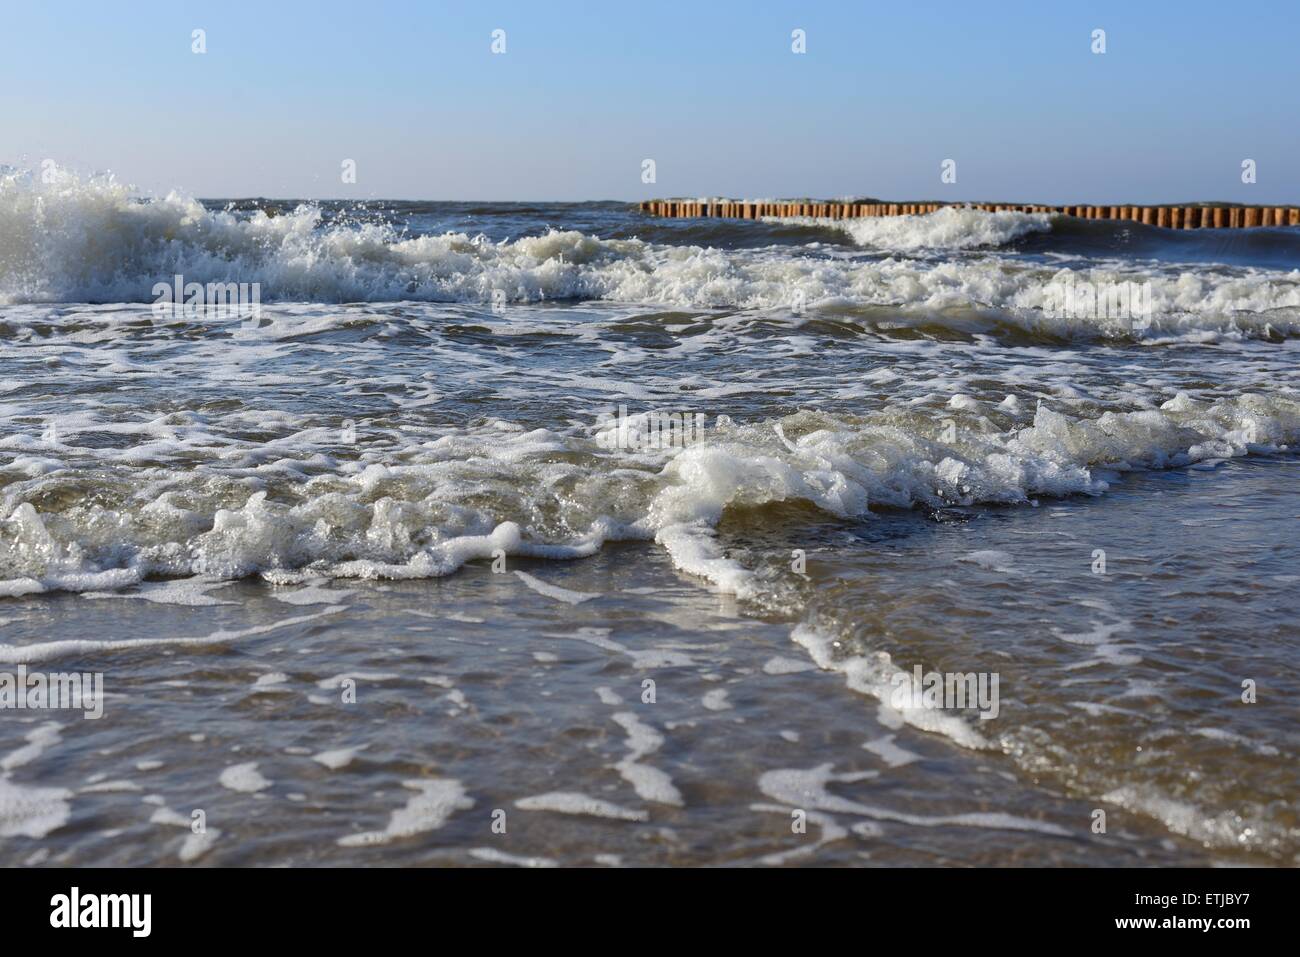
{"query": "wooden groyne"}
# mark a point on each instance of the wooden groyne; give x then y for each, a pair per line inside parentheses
(1199, 216)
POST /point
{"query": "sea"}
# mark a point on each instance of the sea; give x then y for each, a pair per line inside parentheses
(554, 534)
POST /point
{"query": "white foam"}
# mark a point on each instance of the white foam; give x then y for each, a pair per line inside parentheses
(889, 752)
(244, 778)
(809, 789)
(39, 739)
(877, 676)
(990, 558)
(831, 831)
(716, 700)
(197, 844)
(27, 811)
(571, 802)
(650, 783)
(493, 856)
(432, 806)
(49, 650)
(312, 595)
(952, 227)
(339, 757)
(190, 592)
(371, 677)
(1226, 829)
(554, 591)
(780, 665)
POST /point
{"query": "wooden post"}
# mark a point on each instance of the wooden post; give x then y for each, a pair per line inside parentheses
(1165, 217)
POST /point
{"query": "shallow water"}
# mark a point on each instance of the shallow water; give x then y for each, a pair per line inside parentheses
(402, 480)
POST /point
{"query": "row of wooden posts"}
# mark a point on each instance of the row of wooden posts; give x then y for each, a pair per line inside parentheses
(1174, 217)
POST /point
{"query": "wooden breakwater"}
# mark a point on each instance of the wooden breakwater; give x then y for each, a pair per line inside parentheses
(1197, 216)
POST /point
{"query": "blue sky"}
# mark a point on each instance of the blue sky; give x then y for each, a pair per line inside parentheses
(711, 91)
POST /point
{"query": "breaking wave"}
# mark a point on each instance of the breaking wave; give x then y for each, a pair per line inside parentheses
(79, 240)
(427, 509)
(952, 227)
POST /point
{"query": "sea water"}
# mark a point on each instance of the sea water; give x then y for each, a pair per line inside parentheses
(391, 572)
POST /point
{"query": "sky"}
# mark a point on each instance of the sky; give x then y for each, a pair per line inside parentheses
(712, 92)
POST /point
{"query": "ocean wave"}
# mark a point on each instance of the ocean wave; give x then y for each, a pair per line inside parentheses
(427, 509)
(75, 240)
(952, 227)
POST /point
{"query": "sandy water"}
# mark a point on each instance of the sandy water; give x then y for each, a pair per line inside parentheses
(479, 679)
